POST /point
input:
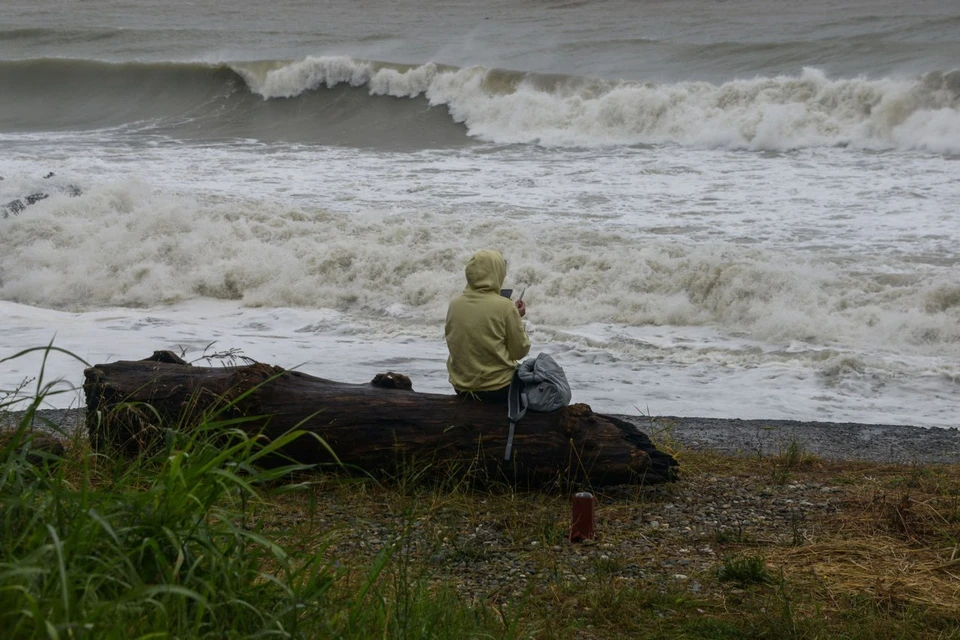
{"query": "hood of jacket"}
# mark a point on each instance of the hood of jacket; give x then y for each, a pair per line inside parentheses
(486, 271)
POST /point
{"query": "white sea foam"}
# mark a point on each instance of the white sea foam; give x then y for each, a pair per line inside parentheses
(817, 284)
(121, 244)
(774, 113)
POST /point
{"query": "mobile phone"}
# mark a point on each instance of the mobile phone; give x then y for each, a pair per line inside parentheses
(506, 293)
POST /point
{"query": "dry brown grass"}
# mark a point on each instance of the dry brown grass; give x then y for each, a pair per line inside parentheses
(888, 570)
(896, 539)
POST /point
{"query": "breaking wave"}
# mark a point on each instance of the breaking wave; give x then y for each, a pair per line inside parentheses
(123, 245)
(340, 100)
(776, 113)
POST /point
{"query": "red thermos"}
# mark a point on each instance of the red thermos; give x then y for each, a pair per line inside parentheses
(581, 528)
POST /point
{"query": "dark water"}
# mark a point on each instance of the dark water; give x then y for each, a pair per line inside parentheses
(667, 40)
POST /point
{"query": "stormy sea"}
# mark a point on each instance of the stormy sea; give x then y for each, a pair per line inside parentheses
(736, 209)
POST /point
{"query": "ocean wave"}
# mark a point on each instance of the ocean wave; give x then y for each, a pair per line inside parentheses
(310, 100)
(199, 101)
(124, 245)
(778, 113)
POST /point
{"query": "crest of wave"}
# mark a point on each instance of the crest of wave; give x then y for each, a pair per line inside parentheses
(764, 113)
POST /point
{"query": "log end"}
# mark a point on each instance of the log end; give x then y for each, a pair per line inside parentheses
(663, 466)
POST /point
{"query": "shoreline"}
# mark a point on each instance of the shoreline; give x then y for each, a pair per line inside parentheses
(856, 442)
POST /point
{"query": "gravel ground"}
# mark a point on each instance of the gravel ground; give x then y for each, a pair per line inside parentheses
(829, 440)
(664, 536)
(668, 538)
(68, 420)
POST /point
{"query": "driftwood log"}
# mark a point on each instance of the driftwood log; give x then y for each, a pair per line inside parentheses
(372, 426)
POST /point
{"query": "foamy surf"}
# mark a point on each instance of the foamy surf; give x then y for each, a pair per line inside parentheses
(777, 113)
(122, 244)
(342, 100)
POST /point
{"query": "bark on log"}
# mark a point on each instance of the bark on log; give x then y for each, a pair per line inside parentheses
(371, 426)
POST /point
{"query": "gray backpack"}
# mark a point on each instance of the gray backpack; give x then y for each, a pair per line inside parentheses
(539, 385)
(544, 384)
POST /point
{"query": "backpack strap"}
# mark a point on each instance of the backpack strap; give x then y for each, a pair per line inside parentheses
(516, 409)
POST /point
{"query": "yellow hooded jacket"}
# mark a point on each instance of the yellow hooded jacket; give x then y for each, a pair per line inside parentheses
(484, 332)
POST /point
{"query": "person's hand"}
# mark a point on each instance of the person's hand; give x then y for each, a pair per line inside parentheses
(522, 307)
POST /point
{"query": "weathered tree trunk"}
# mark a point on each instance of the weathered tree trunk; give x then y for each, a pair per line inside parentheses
(371, 426)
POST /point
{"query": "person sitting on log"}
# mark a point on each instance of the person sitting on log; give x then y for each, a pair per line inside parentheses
(484, 332)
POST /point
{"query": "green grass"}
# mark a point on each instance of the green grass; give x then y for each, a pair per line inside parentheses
(197, 540)
(118, 548)
(162, 545)
(745, 570)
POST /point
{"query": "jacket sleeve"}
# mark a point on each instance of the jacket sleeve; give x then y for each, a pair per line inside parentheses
(518, 344)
